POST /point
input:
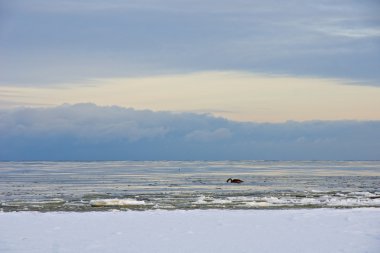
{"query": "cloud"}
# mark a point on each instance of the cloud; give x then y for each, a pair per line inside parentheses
(238, 96)
(353, 33)
(90, 132)
(207, 135)
(45, 42)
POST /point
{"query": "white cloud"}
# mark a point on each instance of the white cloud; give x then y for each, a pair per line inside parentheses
(359, 33)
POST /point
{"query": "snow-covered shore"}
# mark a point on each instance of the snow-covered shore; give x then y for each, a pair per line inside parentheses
(306, 230)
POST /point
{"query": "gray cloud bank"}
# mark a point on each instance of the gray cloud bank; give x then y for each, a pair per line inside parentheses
(90, 132)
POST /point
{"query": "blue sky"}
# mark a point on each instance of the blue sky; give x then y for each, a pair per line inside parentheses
(252, 63)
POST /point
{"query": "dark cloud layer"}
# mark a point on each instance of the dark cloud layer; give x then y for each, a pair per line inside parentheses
(44, 42)
(89, 132)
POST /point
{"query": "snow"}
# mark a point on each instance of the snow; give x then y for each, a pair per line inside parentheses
(116, 202)
(306, 230)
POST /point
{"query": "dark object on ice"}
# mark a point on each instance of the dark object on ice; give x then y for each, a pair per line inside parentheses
(235, 180)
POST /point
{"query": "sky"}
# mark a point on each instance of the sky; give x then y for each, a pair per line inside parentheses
(249, 63)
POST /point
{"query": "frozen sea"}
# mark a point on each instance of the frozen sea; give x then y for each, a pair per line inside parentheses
(187, 185)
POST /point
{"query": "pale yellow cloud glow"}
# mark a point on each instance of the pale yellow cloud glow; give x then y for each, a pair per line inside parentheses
(234, 95)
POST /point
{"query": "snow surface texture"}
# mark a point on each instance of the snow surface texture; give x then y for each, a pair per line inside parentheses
(308, 230)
